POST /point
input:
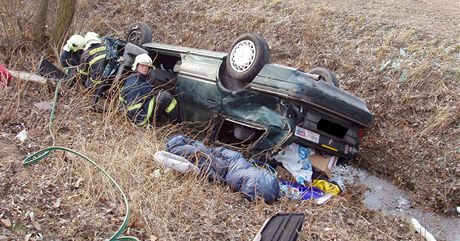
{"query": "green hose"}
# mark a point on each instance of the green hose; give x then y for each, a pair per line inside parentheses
(42, 154)
(36, 157)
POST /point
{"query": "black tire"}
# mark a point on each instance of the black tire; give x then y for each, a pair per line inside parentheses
(326, 76)
(245, 71)
(139, 33)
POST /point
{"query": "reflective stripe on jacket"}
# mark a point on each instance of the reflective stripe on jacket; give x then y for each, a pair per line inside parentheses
(142, 101)
(92, 63)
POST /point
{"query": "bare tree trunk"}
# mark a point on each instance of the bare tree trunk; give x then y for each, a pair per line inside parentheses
(39, 31)
(64, 19)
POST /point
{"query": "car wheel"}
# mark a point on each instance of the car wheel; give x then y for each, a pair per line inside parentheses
(246, 57)
(326, 76)
(139, 33)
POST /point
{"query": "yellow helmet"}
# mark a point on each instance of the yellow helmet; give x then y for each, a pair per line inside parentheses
(142, 59)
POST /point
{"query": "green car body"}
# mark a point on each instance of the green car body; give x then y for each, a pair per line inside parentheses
(279, 106)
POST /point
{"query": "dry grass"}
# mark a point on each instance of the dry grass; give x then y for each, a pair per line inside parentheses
(416, 131)
(414, 141)
(167, 207)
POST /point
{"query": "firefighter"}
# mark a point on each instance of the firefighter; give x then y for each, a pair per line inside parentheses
(93, 60)
(71, 53)
(142, 102)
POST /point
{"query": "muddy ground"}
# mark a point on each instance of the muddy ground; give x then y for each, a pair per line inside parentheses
(401, 57)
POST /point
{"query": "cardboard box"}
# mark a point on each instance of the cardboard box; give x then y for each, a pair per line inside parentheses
(323, 163)
(285, 174)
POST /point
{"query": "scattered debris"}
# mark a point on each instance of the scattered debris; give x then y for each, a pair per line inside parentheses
(57, 204)
(295, 191)
(384, 65)
(422, 230)
(39, 236)
(404, 75)
(175, 162)
(44, 105)
(295, 158)
(22, 136)
(322, 200)
(34, 222)
(78, 182)
(324, 163)
(327, 187)
(396, 65)
(28, 236)
(230, 167)
(34, 237)
(402, 52)
(156, 173)
(403, 204)
(5, 222)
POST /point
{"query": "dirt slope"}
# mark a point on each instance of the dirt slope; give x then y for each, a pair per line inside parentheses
(433, 17)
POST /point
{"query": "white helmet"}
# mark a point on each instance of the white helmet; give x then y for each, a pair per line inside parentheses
(74, 43)
(142, 59)
(91, 38)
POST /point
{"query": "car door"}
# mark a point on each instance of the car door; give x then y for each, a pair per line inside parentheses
(199, 97)
(200, 100)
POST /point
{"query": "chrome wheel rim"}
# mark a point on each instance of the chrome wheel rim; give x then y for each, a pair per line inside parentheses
(243, 55)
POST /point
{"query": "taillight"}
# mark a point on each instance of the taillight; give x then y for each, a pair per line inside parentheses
(360, 134)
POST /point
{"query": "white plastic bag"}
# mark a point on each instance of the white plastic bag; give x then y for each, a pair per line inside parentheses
(294, 158)
(175, 162)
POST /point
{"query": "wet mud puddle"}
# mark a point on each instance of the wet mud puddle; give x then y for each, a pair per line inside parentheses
(384, 196)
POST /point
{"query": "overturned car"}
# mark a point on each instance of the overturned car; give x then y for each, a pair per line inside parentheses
(257, 107)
